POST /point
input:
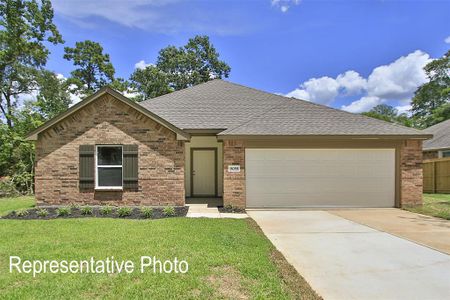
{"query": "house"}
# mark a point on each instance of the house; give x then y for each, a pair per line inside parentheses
(439, 145)
(223, 140)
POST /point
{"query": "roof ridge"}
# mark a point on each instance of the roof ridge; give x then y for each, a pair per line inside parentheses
(256, 116)
(177, 91)
(437, 125)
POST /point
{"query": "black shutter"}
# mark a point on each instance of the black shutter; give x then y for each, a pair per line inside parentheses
(87, 167)
(130, 167)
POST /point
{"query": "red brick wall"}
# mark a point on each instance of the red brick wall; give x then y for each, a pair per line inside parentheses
(233, 183)
(109, 121)
(411, 178)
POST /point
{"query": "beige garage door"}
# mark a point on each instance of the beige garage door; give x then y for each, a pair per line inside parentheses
(320, 177)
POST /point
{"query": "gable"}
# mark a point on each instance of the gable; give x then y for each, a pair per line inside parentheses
(99, 96)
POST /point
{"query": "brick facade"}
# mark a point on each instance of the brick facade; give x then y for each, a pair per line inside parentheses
(233, 183)
(411, 176)
(109, 121)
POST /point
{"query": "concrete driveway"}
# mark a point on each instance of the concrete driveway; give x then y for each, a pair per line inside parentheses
(342, 259)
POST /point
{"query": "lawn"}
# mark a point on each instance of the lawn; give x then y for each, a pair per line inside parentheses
(227, 259)
(436, 205)
(9, 204)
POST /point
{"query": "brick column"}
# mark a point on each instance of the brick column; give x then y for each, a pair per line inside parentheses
(233, 183)
(411, 180)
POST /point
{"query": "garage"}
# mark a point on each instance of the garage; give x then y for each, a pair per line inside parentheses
(289, 178)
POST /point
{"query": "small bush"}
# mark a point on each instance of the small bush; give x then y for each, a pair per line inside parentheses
(86, 210)
(147, 212)
(7, 187)
(169, 211)
(123, 212)
(22, 213)
(105, 210)
(74, 205)
(42, 212)
(63, 211)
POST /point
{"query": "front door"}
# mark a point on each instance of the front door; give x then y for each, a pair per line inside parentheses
(204, 172)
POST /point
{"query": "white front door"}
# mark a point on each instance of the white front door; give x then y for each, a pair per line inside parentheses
(203, 172)
(320, 177)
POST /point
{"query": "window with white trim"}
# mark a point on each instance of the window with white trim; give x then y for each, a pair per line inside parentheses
(109, 167)
(445, 153)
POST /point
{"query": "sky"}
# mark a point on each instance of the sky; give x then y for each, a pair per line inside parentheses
(350, 55)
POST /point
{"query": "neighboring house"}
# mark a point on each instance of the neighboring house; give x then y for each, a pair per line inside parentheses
(220, 139)
(439, 145)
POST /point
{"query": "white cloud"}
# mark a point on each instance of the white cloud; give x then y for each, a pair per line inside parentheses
(161, 16)
(284, 5)
(363, 104)
(321, 90)
(352, 82)
(142, 64)
(399, 79)
(447, 40)
(404, 109)
(395, 82)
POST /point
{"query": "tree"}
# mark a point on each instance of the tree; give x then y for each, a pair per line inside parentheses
(196, 62)
(389, 114)
(94, 67)
(383, 112)
(150, 82)
(53, 97)
(180, 67)
(432, 95)
(25, 27)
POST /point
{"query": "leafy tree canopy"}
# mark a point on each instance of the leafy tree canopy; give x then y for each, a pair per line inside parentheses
(389, 114)
(431, 99)
(180, 67)
(94, 68)
(25, 26)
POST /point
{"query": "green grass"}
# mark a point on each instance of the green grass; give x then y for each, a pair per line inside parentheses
(227, 259)
(9, 204)
(436, 205)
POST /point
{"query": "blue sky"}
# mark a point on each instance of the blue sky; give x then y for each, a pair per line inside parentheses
(346, 54)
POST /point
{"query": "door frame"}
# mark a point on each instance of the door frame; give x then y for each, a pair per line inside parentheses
(215, 171)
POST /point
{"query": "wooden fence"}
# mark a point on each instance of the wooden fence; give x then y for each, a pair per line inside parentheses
(436, 175)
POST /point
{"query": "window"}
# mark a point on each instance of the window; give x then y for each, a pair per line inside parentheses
(446, 153)
(108, 167)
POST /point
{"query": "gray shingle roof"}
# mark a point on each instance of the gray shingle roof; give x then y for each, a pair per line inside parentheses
(240, 110)
(441, 136)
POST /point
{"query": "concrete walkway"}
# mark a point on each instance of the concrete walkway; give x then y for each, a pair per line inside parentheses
(203, 211)
(342, 259)
(425, 230)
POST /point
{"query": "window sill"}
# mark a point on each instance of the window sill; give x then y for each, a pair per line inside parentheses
(109, 189)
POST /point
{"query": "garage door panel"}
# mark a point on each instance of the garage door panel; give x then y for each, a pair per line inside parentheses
(320, 177)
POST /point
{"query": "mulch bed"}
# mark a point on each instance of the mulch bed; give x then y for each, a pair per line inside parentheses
(231, 209)
(158, 213)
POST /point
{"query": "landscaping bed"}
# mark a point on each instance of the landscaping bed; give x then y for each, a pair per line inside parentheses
(231, 209)
(52, 212)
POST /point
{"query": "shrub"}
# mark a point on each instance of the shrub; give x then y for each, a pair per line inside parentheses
(169, 211)
(105, 210)
(123, 212)
(146, 212)
(74, 205)
(22, 213)
(7, 187)
(63, 211)
(86, 210)
(42, 212)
